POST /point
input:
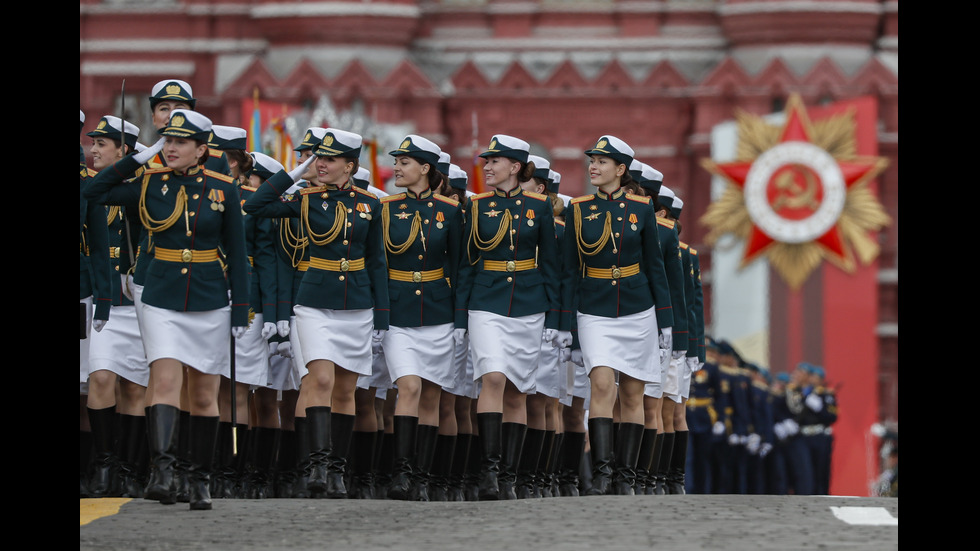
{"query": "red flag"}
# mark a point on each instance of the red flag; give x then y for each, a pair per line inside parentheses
(375, 174)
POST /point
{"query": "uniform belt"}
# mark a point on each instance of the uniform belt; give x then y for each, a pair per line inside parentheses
(698, 402)
(509, 265)
(810, 430)
(185, 255)
(303, 265)
(612, 273)
(113, 252)
(416, 277)
(337, 265)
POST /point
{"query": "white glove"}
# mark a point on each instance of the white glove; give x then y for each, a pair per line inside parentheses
(98, 325)
(743, 440)
(238, 332)
(576, 357)
(780, 431)
(126, 280)
(733, 440)
(459, 336)
(143, 156)
(282, 328)
(285, 349)
(718, 428)
(666, 341)
(376, 337)
(268, 328)
(563, 339)
(792, 427)
(765, 449)
(273, 348)
(549, 335)
(693, 364)
(564, 354)
(814, 402)
(677, 354)
(753, 443)
(297, 173)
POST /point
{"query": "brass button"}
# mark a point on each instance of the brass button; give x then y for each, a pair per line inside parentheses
(619, 218)
(183, 270)
(513, 231)
(614, 282)
(512, 247)
(426, 221)
(352, 194)
(509, 279)
(199, 179)
(191, 213)
(617, 234)
(516, 216)
(622, 205)
(421, 257)
(195, 196)
(429, 204)
(345, 241)
(518, 202)
(350, 210)
(341, 278)
(349, 224)
(418, 292)
(117, 267)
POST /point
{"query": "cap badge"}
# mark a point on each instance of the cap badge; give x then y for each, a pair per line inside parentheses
(177, 121)
(405, 144)
(328, 140)
(173, 89)
(600, 144)
(101, 125)
(493, 144)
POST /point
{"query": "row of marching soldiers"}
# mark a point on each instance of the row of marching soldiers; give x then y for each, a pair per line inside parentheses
(431, 344)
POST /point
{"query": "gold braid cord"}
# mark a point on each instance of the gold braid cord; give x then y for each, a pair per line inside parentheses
(386, 223)
(591, 249)
(474, 237)
(340, 219)
(291, 243)
(111, 215)
(161, 225)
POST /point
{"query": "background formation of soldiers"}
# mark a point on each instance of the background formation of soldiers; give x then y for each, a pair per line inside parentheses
(749, 432)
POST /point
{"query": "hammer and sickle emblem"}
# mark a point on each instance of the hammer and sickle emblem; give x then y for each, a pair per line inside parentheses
(794, 194)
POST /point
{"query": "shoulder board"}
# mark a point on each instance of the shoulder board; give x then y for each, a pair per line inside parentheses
(760, 385)
(481, 195)
(158, 170)
(249, 188)
(91, 172)
(365, 192)
(444, 199)
(218, 175)
(580, 199)
(215, 152)
(728, 370)
(309, 190)
(538, 196)
(682, 244)
(665, 223)
(639, 199)
(559, 222)
(694, 251)
(390, 198)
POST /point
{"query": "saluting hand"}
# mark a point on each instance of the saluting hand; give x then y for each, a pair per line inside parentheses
(143, 156)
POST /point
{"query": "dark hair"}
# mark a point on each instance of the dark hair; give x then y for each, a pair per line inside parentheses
(240, 156)
(631, 185)
(677, 224)
(207, 151)
(526, 172)
(437, 180)
(557, 205)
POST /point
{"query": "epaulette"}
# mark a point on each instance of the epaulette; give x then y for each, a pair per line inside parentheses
(365, 192)
(215, 153)
(481, 195)
(444, 199)
(682, 244)
(694, 251)
(728, 370)
(249, 188)
(395, 197)
(559, 222)
(157, 170)
(538, 196)
(665, 223)
(639, 199)
(218, 175)
(760, 385)
(91, 172)
(580, 199)
(309, 190)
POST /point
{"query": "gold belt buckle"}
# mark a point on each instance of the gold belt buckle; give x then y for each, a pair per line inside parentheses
(186, 255)
(344, 265)
(616, 272)
(511, 265)
(115, 251)
(417, 277)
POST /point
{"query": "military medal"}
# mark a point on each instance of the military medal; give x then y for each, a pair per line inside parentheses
(439, 219)
(164, 189)
(365, 210)
(324, 205)
(530, 218)
(633, 222)
(217, 198)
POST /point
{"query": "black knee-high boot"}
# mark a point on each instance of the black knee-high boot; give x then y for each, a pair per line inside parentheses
(546, 464)
(104, 462)
(406, 433)
(651, 487)
(678, 458)
(222, 484)
(318, 426)
(442, 464)
(647, 443)
(474, 470)
(383, 463)
(457, 472)
(262, 450)
(527, 466)
(285, 483)
(302, 465)
(362, 445)
(84, 460)
(600, 439)
(665, 455)
(203, 435)
(183, 458)
(132, 438)
(490, 426)
(627, 453)
(342, 428)
(425, 448)
(162, 425)
(512, 440)
(572, 450)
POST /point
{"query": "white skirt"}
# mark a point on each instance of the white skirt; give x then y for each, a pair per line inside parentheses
(340, 336)
(551, 375)
(379, 377)
(581, 385)
(426, 352)
(138, 302)
(463, 383)
(196, 339)
(507, 345)
(298, 360)
(119, 347)
(686, 381)
(252, 355)
(627, 344)
(281, 373)
(84, 346)
(672, 378)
